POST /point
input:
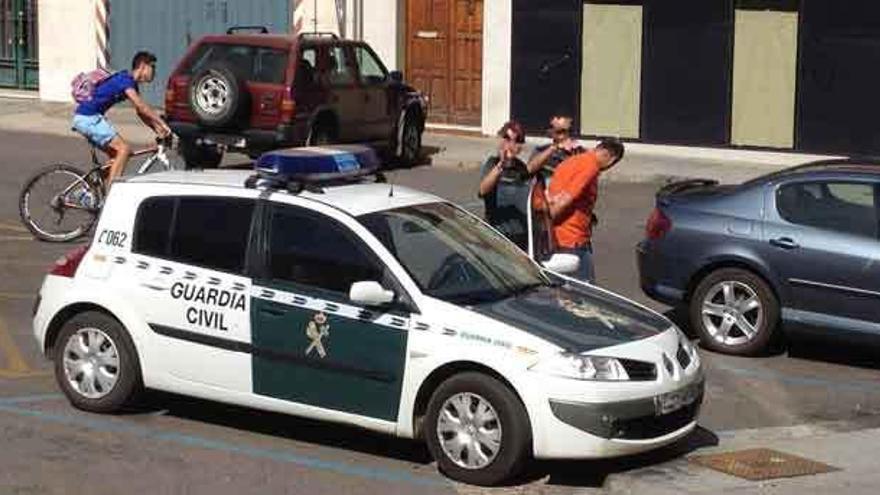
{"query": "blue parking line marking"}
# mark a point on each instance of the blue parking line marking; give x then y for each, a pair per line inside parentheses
(29, 399)
(378, 474)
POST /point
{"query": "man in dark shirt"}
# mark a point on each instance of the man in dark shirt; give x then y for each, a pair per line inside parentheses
(504, 186)
(546, 157)
(89, 119)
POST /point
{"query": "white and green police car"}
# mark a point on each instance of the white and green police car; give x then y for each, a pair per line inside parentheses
(307, 291)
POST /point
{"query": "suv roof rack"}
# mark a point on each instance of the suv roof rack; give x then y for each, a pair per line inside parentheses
(260, 29)
(319, 34)
(298, 169)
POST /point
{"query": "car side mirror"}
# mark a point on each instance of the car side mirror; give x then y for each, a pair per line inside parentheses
(370, 293)
(562, 263)
(396, 76)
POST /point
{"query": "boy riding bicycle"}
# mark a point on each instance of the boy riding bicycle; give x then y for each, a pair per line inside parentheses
(89, 119)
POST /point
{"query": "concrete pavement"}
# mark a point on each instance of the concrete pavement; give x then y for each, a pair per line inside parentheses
(643, 162)
(847, 445)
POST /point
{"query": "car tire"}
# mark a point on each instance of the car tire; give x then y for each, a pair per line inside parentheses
(410, 141)
(217, 96)
(320, 135)
(197, 156)
(734, 311)
(96, 365)
(505, 415)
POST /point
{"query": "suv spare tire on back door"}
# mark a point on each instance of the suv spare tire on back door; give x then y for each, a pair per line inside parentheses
(218, 97)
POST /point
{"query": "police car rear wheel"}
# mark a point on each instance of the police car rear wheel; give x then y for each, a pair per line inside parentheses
(477, 429)
(95, 363)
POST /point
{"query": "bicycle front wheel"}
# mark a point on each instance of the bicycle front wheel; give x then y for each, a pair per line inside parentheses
(58, 204)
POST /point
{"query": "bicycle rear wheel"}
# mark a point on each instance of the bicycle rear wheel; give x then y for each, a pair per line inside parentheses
(58, 204)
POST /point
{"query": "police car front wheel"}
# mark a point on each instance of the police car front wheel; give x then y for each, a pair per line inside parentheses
(477, 429)
(95, 363)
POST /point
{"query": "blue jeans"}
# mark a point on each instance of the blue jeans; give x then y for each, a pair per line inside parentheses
(585, 271)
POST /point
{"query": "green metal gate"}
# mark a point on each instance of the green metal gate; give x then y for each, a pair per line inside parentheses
(167, 27)
(18, 52)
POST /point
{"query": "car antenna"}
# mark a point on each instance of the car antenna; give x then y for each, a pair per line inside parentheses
(381, 178)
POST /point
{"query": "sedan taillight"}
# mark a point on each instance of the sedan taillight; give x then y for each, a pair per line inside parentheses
(658, 225)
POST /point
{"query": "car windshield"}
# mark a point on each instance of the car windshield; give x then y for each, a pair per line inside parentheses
(452, 255)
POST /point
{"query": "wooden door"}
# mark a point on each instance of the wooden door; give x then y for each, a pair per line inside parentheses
(444, 57)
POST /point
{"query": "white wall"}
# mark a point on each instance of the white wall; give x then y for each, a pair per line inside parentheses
(497, 29)
(382, 29)
(317, 15)
(67, 44)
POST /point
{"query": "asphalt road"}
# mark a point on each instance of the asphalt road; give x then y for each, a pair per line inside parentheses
(177, 445)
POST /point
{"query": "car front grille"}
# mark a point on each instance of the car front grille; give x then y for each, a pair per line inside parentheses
(647, 427)
(639, 371)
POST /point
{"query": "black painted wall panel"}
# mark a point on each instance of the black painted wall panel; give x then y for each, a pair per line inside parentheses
(839, 77)
(545, 61)
(687, 60)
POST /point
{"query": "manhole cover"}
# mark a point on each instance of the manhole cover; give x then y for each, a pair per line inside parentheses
(761, 464)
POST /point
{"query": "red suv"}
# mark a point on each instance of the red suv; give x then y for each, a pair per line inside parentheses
(255, 92)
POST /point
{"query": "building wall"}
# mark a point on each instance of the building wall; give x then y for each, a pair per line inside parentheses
(67, 45)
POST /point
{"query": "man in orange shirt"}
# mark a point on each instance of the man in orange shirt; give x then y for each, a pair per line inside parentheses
(573, 191)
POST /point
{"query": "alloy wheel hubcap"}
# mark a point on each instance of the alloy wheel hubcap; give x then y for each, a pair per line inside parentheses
(469, 430)
(212, 94)
(732, 313)
(91, 363)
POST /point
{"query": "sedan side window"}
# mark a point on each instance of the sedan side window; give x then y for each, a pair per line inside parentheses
(847, 207)
(308, 249)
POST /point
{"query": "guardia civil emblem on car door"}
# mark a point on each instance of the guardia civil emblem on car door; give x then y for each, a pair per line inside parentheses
(316, 330)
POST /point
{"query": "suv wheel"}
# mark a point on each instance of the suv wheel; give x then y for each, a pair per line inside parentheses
(477, 429)
(217, 95)
(96, 365)
(410, 141)
(734, 311)
(320, 135)
(199, 155)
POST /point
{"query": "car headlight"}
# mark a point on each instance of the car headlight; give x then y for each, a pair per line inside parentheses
(580, 367)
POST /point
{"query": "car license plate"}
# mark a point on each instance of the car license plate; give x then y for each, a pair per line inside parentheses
(675, 400)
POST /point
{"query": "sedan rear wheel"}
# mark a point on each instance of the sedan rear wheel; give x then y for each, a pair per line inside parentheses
(734, 312)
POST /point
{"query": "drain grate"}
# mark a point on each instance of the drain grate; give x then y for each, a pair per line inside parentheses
(761, 464)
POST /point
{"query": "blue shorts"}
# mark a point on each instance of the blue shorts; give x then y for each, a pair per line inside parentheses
(96, 128)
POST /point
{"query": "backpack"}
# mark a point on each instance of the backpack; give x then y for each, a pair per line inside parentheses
(82, 88)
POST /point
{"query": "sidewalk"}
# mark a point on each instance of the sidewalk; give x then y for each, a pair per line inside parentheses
(852, 452)
(642, 163)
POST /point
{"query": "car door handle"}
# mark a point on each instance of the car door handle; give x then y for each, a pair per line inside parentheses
(784, 243)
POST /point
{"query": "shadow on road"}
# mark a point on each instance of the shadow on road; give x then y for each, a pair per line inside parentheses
(584, 473)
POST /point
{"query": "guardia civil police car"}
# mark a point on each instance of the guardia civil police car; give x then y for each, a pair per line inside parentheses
(305, 289)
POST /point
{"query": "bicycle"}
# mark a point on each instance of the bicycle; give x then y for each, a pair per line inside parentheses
(77, 195)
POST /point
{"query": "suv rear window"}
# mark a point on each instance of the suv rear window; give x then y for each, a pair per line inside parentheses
(253, 63)
(211, 232)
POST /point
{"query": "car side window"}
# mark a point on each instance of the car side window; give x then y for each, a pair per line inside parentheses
(338, 71)
(371, 69)
(306, 68)
(312, 250)
(153, 226)
(212, 232)
(839, 206)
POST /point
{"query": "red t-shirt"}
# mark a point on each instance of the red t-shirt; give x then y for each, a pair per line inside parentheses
(579, 177)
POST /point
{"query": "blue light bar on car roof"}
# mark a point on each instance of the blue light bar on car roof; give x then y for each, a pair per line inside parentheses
(316, 164)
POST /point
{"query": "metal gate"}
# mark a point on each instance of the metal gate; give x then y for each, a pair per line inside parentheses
(167, 27)
(18, 52)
